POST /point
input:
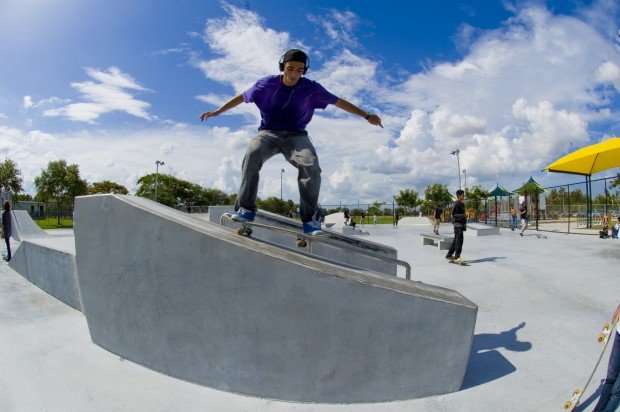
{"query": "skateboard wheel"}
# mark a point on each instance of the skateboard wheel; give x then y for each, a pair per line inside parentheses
(567, 405)
(240, 232)
(248, 231)
(301, 243)
(576, 391)
(602, 337)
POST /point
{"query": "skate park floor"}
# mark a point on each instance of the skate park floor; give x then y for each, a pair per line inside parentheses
(542, 302)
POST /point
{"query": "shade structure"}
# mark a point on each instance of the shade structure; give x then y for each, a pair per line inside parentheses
(499, 190)
(589, 160)
(531, 183)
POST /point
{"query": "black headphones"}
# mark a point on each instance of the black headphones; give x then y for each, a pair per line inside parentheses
(295, 55)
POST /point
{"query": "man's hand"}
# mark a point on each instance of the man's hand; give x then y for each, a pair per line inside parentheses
(206, 115)
(374, 120)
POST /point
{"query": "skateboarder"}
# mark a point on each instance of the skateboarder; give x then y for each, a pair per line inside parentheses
(7, 229)
(437, 218)
(286, 103)
(459, 220)
(610, 394)
(523, 215)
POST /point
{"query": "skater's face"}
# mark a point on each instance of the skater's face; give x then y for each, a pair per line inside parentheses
(292, 72)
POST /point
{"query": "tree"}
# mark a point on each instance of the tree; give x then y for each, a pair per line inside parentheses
(60, 183)
(107, 186)
(433, 194)
(175, 192)
(407, 198)
(10, 175)
(375, 208)
(473, 198)
(276, 205)
(22, 197)
(616, 181)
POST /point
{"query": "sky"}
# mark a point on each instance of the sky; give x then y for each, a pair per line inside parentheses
(114, 86)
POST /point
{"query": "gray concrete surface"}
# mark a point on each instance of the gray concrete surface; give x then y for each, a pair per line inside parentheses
(49, 263)
(541, 303)
(46, 261)
(479, 229)
(198, 302)
(24, 227)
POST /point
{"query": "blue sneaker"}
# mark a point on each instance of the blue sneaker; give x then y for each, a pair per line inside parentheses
(243, 215)
(313, 227)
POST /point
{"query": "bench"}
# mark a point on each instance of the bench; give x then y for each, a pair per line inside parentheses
(442, 242)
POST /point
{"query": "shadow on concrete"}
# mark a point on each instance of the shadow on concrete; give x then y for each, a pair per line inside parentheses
(486, 363)
(487, 259)
(584, 403)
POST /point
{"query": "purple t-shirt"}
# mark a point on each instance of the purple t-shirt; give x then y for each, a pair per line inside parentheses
(285, 107)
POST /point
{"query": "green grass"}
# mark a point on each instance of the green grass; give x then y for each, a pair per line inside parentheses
(381, 220)
(52, 223)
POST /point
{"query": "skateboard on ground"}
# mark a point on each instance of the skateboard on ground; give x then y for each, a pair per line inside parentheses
(603, 337)
(246, 230)
(459, 261)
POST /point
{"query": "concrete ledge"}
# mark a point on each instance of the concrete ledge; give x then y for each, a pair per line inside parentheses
(478, 229)
(442, 242)
(200, 303)
(49, 263)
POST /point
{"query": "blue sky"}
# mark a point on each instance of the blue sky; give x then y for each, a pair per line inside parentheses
(115, 85)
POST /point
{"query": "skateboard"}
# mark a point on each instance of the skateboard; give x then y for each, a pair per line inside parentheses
(458, 261)
(604, 338)
(302, 240)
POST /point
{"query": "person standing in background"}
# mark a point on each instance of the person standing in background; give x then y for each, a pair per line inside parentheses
(7, 229)
(524, 217)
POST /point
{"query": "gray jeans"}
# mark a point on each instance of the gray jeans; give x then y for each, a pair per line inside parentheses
(298, 150)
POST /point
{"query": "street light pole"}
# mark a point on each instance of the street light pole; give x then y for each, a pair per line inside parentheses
(281, 172)
(465, 174)
(157, 164)
(458, 164)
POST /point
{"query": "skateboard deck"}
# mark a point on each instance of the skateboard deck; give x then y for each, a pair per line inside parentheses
(303, 240)
(603, 337)
(246, 230)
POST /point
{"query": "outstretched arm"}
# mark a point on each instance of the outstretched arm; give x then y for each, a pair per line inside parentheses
(353, 109)
(234, 102)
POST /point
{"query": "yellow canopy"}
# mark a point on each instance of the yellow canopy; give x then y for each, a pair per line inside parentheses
(589, 160)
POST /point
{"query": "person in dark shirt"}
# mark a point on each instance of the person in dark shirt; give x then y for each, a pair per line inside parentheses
(459, 220)
(286, 103)
(7, 229)
(524, 217)
(437, 218)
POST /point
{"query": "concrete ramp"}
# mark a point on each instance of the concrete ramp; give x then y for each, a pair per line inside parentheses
(196, 301)
(46, 261)
(25, 228)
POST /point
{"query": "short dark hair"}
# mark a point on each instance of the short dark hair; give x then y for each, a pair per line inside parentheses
(460, 192)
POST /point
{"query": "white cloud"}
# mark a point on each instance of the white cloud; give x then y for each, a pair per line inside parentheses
(27, 102)
(339, 27)
(609, 72)
(247, 49)
(104, 95)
